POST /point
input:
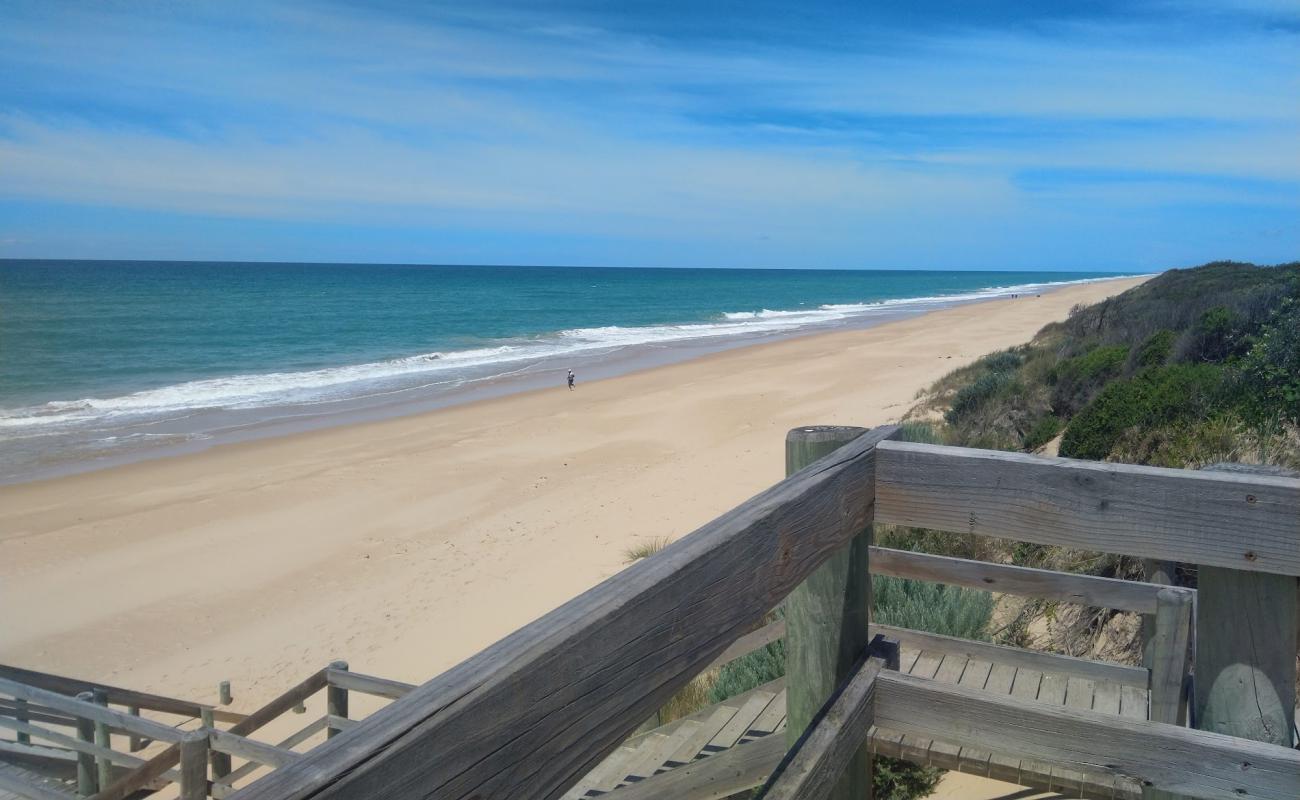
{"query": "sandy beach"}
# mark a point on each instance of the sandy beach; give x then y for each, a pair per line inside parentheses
(406, 545)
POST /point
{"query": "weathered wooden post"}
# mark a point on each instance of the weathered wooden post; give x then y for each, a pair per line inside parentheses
(86, 783)
(336, 700)
(194, 765)
(223, 693)
(20, 714)
(219, 761)
(1246, 647)
(1161, 573)
(103, 767)
(1173, 622)
(134, 743)
(827, 617)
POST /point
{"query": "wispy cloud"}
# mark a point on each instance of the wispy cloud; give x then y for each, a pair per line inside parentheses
(509, 128)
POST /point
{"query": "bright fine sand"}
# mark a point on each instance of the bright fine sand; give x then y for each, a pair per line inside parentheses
(406, 545)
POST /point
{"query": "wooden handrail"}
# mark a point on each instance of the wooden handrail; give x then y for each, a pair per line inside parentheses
(91, 711)
(1178, 760)
(116, 694)
(1244, 522)
(1046, 584)
(531, 714)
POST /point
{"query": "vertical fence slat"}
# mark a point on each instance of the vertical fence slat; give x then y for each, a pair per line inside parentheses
(87, 783)
(336, 699)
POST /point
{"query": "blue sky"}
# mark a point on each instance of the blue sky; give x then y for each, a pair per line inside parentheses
(1110, 136)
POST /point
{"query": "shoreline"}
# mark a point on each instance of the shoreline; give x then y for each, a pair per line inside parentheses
(406, 545)
(64, 453)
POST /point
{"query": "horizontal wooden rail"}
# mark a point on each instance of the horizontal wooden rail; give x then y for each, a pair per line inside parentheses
(78, 708)
(37, 713)
(750, 642)
(1121, 674)
(221, 787)
(1173, 759)
(531, 714)
(367, 684)
(115, 694)
(1245, 522)
(250, 749)
(1046, 584)
(73, 743)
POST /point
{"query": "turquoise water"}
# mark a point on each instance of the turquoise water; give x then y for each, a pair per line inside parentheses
(98, 356)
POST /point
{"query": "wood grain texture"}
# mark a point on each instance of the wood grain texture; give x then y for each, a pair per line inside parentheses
(1016, 657)
(1173, 626)
(530, 715)
(1181, 760)
(194, 766)
(1243, 522)
(1087, 590)
(1246, 654)
(826, 618)
(813, 768)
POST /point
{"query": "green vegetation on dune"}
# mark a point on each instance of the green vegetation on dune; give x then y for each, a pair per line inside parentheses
(1216, 346)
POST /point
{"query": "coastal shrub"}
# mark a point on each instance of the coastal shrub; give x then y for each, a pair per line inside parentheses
(1044, 431)
(1268, 378)
(1079, 378)
(644, 549)
(1217, 336)
(894, 779)
(749, 671)
(972, 396)
(1156, 349)
(1153, 397)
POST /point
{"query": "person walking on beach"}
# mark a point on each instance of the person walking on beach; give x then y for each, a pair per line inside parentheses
(571, 380)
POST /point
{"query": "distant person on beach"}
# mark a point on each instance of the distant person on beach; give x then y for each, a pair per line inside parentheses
(571, 380)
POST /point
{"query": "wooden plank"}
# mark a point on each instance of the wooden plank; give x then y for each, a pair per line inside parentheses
(1220, 519)
(1002, 767)
(827, 617)
(88, 710)
(813, 769)
(713, 778)
(767, 723)
(917, 750)
(35, 713)
(947, 755)
(1014, 656)
(367, 684)
(534, 712)
(251, 749)
(1193, 762)
(750, 642)
(116, 694)
(1066, 779)
(1087, 590)
(730, 733)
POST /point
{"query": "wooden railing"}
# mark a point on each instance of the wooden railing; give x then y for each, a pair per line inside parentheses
(531, 714)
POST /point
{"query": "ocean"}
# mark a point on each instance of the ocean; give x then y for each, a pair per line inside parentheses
(104, 362)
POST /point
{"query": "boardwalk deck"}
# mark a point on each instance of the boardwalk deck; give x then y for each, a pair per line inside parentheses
(748, 718)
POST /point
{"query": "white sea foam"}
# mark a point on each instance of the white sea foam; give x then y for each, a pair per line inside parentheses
(382, 377)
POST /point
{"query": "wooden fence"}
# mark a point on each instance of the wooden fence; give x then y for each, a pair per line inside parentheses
(533, 714)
